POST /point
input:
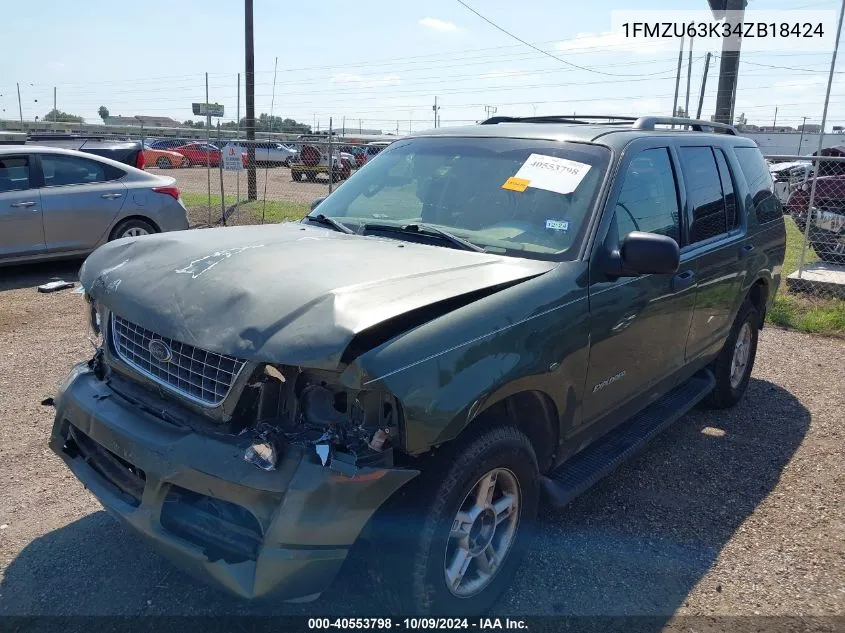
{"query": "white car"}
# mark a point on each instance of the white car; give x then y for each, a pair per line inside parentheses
(269, 153)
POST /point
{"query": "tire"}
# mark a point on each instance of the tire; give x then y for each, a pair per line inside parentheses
(133, 227)
(830, 247)
(412, 549)
(731, 385)
(187, 162)
(163, 163)
(310, 176)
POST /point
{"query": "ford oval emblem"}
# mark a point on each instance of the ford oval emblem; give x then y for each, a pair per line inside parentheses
(160, 350)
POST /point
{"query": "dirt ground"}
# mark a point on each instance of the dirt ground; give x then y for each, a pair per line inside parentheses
(736, 512)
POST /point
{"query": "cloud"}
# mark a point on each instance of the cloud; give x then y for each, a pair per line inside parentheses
(501, 74)
(610, 42)
(439, 25)
(358, 80)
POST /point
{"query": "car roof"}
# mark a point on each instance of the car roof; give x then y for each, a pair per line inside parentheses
(612, 135)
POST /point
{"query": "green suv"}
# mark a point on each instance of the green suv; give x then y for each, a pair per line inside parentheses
(481, 319)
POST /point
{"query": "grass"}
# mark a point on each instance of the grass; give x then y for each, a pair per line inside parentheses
(274, 211)
(800, 311)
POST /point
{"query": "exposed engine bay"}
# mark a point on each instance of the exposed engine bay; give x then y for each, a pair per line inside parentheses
(289, 405)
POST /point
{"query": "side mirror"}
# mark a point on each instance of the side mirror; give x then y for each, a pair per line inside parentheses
(649, 253)
(317, 202)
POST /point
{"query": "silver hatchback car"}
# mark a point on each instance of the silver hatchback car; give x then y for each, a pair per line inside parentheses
(57, 203)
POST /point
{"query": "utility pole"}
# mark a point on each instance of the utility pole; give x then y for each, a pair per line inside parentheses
(489, 111)
(251, 181)
(678, 80)
(238, 138)
(435, 108)
(775, 122)
(689, 79)
(20, 108)
(801, 138)
(54, 100)
(208, 142)
(703, 86)
(729, 65)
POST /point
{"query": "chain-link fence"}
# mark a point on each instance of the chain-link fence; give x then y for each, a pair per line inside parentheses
(812, 191)
(231, 181)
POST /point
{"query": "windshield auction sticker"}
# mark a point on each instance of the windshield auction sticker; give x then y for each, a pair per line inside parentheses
(550, 173)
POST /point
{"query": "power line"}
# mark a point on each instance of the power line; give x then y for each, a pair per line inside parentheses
(540, 50)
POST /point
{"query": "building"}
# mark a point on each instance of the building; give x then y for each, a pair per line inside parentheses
(810, 128)
(140, 119)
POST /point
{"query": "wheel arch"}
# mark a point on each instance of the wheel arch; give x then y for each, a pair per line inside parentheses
(758, 295)
(120, 222)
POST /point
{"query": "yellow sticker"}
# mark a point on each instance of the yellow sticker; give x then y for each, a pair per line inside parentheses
(516, 184)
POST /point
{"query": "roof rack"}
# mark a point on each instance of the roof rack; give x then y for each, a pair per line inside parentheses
(697, 125)
(636, 123)
(585, 119)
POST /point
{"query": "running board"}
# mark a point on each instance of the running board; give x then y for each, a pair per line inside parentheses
(607, 453)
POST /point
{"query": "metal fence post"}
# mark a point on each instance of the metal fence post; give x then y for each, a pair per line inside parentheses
(817, 162)
(331, 157)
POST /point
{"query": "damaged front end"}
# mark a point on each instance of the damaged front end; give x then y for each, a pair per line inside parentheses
(262, 494)
(346, 429)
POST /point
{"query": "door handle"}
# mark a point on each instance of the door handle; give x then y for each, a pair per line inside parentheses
(111, 196)
(683, 280)
(746, 251)
(19, 205)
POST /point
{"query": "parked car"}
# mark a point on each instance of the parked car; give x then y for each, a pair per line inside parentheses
(199, 154)
(57, 203)
(485, 317)
(360, 154)
(162, 158)
(127, 152)
(312, 159)
(267, 154)
(168, 143)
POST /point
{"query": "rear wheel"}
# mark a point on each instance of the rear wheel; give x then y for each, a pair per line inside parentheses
(734, 363)
(163, 163)
(133, 227)
(187, 162)
(451, 541)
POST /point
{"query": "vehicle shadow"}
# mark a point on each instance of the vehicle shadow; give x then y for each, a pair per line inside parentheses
(32, 275)
(635, 544)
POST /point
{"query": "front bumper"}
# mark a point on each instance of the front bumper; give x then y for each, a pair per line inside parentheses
(192, 496)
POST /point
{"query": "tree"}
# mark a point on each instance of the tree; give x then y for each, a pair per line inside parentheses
(62, 117)
(680, 112)
(103, 111)
(266, 123)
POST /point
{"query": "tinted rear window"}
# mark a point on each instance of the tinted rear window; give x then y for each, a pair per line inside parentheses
(767, 207)
(704, 189)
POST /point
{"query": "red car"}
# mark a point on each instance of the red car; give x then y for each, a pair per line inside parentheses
(199, 154)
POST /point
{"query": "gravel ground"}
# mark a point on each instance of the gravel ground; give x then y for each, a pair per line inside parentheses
(737, 512)
(277, 179)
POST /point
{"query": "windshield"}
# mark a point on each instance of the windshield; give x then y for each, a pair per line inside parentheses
(520, 197)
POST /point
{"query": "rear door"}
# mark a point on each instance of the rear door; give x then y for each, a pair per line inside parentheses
(716, 245)
(639, 324)
(81, 199)
(21, 225)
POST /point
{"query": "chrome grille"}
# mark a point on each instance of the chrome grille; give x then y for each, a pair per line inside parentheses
(202, 376)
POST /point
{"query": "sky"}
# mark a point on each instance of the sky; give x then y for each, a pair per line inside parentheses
(380, 64)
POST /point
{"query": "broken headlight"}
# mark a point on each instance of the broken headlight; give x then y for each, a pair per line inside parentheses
(96, 321)
(343, 427)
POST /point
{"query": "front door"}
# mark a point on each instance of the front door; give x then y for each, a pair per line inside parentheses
(21, 225)
(81, 200)
(639, 324)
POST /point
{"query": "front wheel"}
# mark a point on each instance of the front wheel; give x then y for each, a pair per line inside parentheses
(187, 162)
(132, 227)
(734, 363)
(451, 541)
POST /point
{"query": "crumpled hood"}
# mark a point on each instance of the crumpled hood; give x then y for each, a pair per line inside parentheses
(284, 293)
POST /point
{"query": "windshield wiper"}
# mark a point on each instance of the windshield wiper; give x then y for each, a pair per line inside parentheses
(327, 221)
(426, 229)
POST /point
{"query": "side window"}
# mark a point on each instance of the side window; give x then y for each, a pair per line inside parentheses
(767, 207)
(728, 189)
(14, 173)
(70, 170)
(704, 191)
(648, 200)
